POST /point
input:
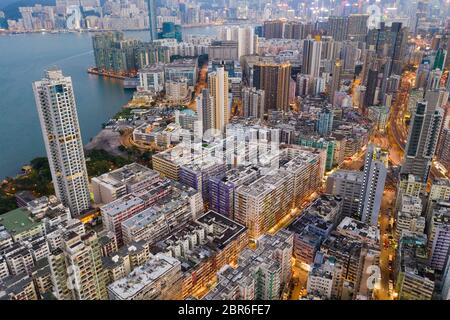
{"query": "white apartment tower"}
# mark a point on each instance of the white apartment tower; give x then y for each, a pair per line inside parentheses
(56, 106)
(312, 51)
(244, 36)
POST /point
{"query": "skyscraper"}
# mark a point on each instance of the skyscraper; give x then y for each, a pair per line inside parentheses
(152, 20)
(393, 38)
(337, 27)
(370, 97)
(357, 27)
(76, 268)
(56, 106)
(439, 59)
(424, 134)
(274, 79)
(218, 85)
(434, 79)
(243, 36)
(253, 102)
(375, 171)
(311, 57)
(273, 29)
(324, 123)
(246, 41)
(205, 110)
(335, 79)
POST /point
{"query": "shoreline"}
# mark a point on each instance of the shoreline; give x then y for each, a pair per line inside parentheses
(105, 139)
(8, 32)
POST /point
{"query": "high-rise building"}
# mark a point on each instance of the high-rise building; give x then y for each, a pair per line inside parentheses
(440, 190)
(273, 29)
(260, 273)
(413, 278)
(244, 37)
(130, 178)
(151, 78)
(375, 172)
(76, 268)
(218, 86)
(312, 51)
(313, 225)
(325, 277)
(303, 84)
(444, 149)
(158, 279)
(222, 190)
(113, 53)
(439, 59)
(371, 90)
(197, 174)
(393, 39)
(337, 27)
(224, 50)
(253, 102)
(424, 134)
(171, 30)
(55, 101)
(409, 219)
(434, 79)
(246, 41)
(296, 30)
(152, 199)
(335, 79)
(205, 110)
(397, 43)
(357, 27)
(324, 123)
(348, 185)
(213, 241)
(152, 20)
(439, 235)
(274, 79)
(349, 254)
(261, 204)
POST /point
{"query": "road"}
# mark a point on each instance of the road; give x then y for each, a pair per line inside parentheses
(386, 232)
(299, 281)
(201, 84)
(397, 128)
(294, 213)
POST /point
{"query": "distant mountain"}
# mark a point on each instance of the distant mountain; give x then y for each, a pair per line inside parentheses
(11, 7)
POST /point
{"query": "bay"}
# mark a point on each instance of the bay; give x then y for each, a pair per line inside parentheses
(23, 59)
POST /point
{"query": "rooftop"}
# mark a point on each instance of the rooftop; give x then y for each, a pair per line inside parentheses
(359, 230)
(17, 221)
(144, 276)
(128, 174)
(413, 256)
(265, 184)
(216, 233)
(348, 175)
